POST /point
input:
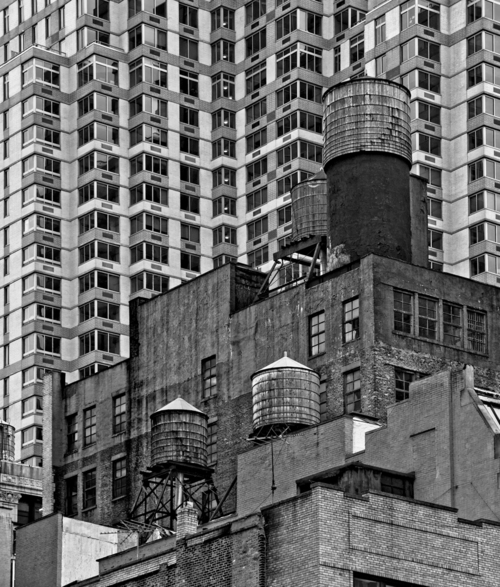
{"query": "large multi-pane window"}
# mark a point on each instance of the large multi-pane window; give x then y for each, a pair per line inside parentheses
(89, 426)
(256, 140)
(150, 252)
(427, 317)
(97, 101)
(98, 160)
(222, 50)
(209, 376)
(222, 17)
(255, 42)
(431, 174)
(43, 164)
(98, 68)
(317, 334)
(99, 279)
(256, 199)
(422, 79)
(41, 312)
(188, 15)
(149, 134)
(350, 322)
(483, 72)
(484, 168)
(258, 256)
(224, 234)
(286, 24)
(257, 228)
(148, 193)
(299, 55)
(483, 40)
(223, 148)
(119, 414)
(149, 104)
(147, 35)
(145, 162)
(357, 48)
(482, 200)
(402, 380)
(224, 176)
(309, 151)
(420, 12)
(256, 110)
(188, 83)
(87, 36)
(98, 250)
(105, 342)
(299, 119)
(97, 189)
(41, 343)
(403, 311)
(476, 330)
(98, 131)
(44, 253)
(421, 48)
(148, 71)
(41, 105)
(190, 203)
(429, 144)
(119, 477)
(190, 232)
(452, 324)
(254, 10)
(347, 18)
(190, 174)
(151, 222)
(223, 86)
(99, 309)
(149, 281)
(89, 481)
(352, 391)
(484, 231)
(40, 222)
(189, 145)
(256, 77)
(426, 111)
(257, 169)
(188, 116)
(41, 72)
(98, 8)
(299, 89)
(158, 7)
(42, 282)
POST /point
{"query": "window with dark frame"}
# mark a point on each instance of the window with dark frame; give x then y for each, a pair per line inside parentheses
(119, 414)
(71, 432)
(403, 378)
(352, 391)
(427, 317)
(89, 489)
(476, 330)
(452, 324)
(317, 334)
(323, 401)
(89, 426)
(403, 311)
(119, 477)
(350, 316)
(209, 376)
(72, 496)
(212, 443)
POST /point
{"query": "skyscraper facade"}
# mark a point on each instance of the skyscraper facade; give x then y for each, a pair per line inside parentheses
(144, 143)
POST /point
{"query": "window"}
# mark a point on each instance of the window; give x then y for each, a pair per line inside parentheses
(89, 489)
(99, 220)
(190, 203)
(403, 378)
(426, 111)
(317, 334)
(313, 23)
(71, 433)
(427, 317)
(188, 15)
(435, 208)
(300, 119)
(299, 55)
(98, 131)
(284, 215)
(224, 234)
(150, 282)
(422, 79)
(222, 51)
(432, 175)
(380, 30)
(348, 18)
(224, 176)
(99, 250)
(188, 83)
(41, 312)
(188, 48)
(381, 64)
(301, 149)
(189, 145)
(489, 200)
(31, 435)
(429, 144)
(212, 443)
(188, 116)
(103, 310)
(484, 168)
(42, 253)
(149, 193)
(158, 7)
(422, 48)
(98, 68)
(256, 77)
(403, 311)
(256, 140)
(6, 381)
(39, 281)
(41, 72)
(435, 239)
(148, 134)
(286, 24)
(427, 14)
(287, 183)
(257, 169)
(190, 174)
(89, 426)
(222, 260)
(256, 199)
(357, 48)
(145, 162)
(149, 71)
(223, 118)
(350, 320)
(151, 222)
(258, 257)
(72, 496)
(476, 331)
(352, 391)
(42, 105)
(223, 147)
(190, 233)
(102, 191)
(224, 205)
(209, 376)
(299, 89)
(254, 10)
(98, 160)
(98, 8)
(223, 86)
(257, 227)
(43, 223)
(452, 324)
(190, 262)
(87, 35)
(42, 164)
(119, 414)
(150, 252)
(145, 103)
(119, 478)
(41, 343)
(222, 17)
(336, 59)
(32, 405)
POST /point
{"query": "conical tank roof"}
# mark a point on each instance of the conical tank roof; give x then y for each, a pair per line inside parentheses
(284, 363)
(178, 405)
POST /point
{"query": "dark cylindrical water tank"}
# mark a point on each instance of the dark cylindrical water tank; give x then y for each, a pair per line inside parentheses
(7, 446)
(179, 434)
(285, 392)
(367, 160)
(309, 207)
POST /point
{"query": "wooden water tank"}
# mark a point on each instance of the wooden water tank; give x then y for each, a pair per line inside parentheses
(285, 392)
(309, 214)
(7, 447)
(179, 434)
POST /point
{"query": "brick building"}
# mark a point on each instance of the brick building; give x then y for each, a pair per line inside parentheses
(402, 444)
